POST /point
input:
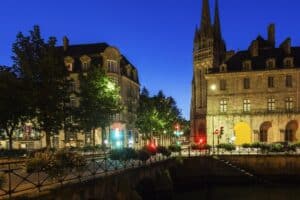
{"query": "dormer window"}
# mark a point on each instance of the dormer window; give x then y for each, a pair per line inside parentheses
(112, 66)
(85, 66)
(85, 62)
(270, 63)
(247, 65)
(223, 68)
(69, 67)
(288, 62)
(69, 63)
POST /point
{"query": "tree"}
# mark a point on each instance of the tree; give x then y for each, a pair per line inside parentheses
(13, 103)
(41, 67)
(99, 101)
(157, 114)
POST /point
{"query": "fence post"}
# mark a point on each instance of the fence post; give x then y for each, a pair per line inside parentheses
(9, 181)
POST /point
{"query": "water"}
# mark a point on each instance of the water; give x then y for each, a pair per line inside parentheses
(257, 192)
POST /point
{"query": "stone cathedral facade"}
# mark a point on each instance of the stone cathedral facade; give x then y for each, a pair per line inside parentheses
(253, 95)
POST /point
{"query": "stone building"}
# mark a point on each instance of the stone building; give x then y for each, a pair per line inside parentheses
(252, 95)
(78, 59)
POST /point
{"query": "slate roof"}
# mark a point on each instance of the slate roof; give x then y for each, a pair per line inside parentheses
(93, 51)
(235, 63)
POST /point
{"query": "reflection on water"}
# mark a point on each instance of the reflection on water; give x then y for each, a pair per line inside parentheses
(258, 192)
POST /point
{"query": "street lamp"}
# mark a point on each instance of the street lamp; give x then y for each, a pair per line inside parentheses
(213, 88)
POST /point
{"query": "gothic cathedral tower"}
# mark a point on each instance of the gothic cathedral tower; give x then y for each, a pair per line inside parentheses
(208, 53)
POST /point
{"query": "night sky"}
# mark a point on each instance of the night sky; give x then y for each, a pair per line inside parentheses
(155, 35)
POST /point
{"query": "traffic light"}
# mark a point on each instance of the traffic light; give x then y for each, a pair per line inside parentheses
(221, 130)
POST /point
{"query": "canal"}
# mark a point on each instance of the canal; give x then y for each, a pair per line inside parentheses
(238, 192)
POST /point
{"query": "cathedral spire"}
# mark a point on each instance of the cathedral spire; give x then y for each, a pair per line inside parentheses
(217, 24)
(205, 28)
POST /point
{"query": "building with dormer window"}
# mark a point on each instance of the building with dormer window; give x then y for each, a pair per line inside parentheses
(257, 97)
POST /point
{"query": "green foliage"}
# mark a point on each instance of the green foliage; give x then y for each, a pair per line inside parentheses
(175, 148)
(2, 180)
(14, 102)
(123, 154)
(99, 100)
(156, 114)
(200, 147)
(164, 151)
(143, 155)
(256, 145)
(227, 147)
(246, 145)
(41, 69)
(276, 148)
(57, 164)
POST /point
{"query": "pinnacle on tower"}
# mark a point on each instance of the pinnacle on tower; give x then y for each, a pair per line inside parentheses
(205, 29)
(217, 24)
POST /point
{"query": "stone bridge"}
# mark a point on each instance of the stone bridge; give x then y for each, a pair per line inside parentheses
(145, 182)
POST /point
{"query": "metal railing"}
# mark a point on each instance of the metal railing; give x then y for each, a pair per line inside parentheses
(17, 181)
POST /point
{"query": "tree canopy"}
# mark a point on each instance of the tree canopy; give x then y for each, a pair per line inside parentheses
(99, 100)
(41, 68)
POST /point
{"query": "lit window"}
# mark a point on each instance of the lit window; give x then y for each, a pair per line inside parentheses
(271, 104)
(289, 81)
(73, 102)
(247, 105)
(271, 64)
(112, 66)
(85, 66)
(270, 82)
(289, 104)
(69, 67)
(247, 65)
(223, 106)
(246, 83)
(288, 62)
(223, 84)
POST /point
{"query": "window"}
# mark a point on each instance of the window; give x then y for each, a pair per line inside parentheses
(288, 62)
(73, 86)
(223, 106)
(271, 64)
(247, 65)
(72, 102)
(289, 104)
(223, 68)
(112, 66)
(85, 66)
(270, 82)
(223, 84)
(114, 80)
(289, 81)
(69, 67)
(247, 105)
(246, 83)
(271, 104)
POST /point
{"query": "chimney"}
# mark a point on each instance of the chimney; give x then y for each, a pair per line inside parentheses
(286, 46)
(66, 43)
(254, 48)
(271, 34)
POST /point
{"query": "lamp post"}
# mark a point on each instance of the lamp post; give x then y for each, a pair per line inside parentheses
(213, 88)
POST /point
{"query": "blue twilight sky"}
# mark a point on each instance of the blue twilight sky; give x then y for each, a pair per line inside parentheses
(155, 35)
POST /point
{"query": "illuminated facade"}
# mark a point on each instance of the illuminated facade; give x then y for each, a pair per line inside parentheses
(253, 94)
(78, 59)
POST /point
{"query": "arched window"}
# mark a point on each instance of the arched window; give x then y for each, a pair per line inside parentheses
(247, 65)
(270, 63)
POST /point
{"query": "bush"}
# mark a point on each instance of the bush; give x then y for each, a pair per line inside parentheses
(57, 164)
(256, 145)
(164, 151)
(175, 148)
(13, 153)
(246, 145)
(276, 148)
(227, 147)
(2, 180)
(123, 154)
(143, 155)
